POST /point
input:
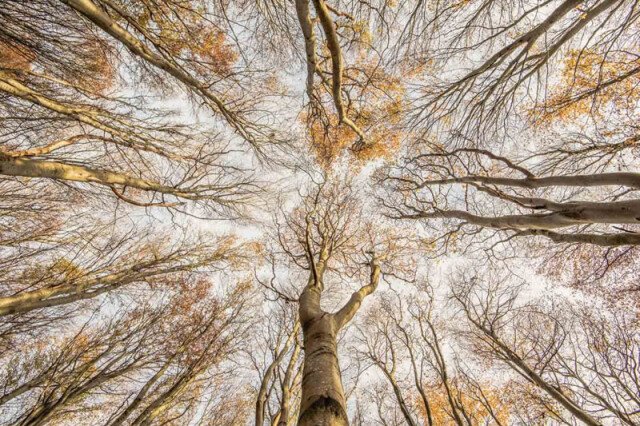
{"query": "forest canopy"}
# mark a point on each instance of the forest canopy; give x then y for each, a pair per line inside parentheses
(319, 212)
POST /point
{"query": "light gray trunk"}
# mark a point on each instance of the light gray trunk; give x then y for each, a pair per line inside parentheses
(323, 402)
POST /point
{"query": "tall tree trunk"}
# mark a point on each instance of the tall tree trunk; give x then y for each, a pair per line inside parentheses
(287, 383)
(323, 401)
(262, 393)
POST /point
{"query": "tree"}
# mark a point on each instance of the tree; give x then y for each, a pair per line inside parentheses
(523, 47)
(553, 347)
(407, 343)
(494, 183)
(57, 266)
(562, 81)
(190, 47)
(67, 281)
(68, 119)
(282, 341)
(327, 238)
(315, 238)
(152, 363)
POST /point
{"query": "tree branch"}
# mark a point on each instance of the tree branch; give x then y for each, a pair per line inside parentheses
(346, 313)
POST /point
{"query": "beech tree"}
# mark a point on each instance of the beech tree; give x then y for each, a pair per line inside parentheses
(499, 194)
(57, 266)
(572, 176)
(413, 349)
(523, 47)
(328, 238)
(67, 281)
(61, 76)
(323, 229)
(523, 141)
(153, 363)
(279, 369)
(556, 349)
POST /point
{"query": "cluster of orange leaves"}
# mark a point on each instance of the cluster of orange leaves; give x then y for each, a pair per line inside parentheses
(99, 68)
(380, 107)
(207, 47)
(584, 72)
(14, 58)
(440, 408)
(504, 401)
(194, 304)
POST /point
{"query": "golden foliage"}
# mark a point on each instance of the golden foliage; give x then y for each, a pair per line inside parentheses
(100, 68)
(441, 410)
(484, 403)
(613, 81)
(15, 59)
(203, 44)
(380, 103)
(60, 270)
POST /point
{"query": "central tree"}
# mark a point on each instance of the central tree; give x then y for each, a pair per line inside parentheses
(328, 238)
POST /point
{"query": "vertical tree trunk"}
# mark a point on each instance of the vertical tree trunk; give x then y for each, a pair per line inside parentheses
(287, 383)
(323, 401)
(262, 393)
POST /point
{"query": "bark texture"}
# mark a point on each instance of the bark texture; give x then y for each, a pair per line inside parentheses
(323, 401)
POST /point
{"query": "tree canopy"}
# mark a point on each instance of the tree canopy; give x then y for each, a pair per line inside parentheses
(319, 212)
